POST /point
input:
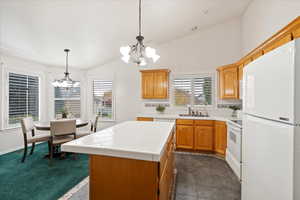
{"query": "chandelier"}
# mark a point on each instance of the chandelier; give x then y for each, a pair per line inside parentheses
(139, 53)
(66, 82)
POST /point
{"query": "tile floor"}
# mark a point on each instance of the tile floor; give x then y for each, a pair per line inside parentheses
(199, 177)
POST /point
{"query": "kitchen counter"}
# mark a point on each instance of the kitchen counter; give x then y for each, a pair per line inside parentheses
(131, 139)
(133, 158)
(176, 116)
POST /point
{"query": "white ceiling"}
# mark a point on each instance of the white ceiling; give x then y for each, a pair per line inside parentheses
(94, 30)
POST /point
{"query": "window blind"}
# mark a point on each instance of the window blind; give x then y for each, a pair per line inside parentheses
(23, 97)
(103, 98)
(193, 90)
(182, 91)
(203, 91)
(67, 99)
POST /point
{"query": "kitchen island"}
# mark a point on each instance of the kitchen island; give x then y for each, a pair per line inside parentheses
(129, 161)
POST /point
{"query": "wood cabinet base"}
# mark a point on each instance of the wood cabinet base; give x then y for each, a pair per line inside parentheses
(114, 178)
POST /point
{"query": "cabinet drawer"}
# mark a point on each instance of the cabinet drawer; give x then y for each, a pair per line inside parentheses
(204, 122)
(185, 121)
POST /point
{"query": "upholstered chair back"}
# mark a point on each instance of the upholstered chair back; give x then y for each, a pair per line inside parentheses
(27, 125)
(94, 123)
(63, 127)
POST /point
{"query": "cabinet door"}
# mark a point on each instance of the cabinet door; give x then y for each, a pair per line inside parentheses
(161, 82)
(147, 85)
(220, 137)
(203, 138)
(229, 83)
(185, 136)
(241, 72)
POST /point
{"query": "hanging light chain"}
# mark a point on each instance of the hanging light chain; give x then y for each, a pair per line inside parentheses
(140, 18)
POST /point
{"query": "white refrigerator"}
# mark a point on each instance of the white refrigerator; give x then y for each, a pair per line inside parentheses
(271, 134)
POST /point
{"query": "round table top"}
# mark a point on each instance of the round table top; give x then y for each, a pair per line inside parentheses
(45, 126)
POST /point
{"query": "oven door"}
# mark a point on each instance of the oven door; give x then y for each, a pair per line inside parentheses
(234, 142)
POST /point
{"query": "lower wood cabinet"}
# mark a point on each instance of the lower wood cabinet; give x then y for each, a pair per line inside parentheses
(130, 179)
(203, 135)
(144, 119)
(204, 138)
(185, 136)
(220, 137)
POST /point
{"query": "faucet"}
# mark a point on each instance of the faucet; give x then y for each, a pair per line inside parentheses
(189, 110)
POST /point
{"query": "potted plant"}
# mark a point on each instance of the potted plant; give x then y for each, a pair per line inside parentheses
(160, 108)
(64, 112)
(234, 109)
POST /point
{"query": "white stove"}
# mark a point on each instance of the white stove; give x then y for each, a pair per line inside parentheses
(234, 146)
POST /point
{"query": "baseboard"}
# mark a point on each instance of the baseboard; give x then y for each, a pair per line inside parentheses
(15, 149)
(234, 164)
(12, 149)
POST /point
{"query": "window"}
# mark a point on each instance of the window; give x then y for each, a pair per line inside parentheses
(193, 90)
(67, 100)
(23, 97)
(103, 99)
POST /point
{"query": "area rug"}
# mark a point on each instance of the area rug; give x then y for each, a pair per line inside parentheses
(36, 179)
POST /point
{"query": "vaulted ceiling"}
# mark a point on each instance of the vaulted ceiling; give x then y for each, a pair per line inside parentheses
(94, 30)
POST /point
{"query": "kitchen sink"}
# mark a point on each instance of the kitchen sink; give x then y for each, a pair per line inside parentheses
(195, 115)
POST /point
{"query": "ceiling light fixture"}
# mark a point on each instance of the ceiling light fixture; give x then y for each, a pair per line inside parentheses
(139, 53)
(66, 81)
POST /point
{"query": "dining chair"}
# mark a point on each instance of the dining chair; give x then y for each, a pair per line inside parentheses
(93, 128)
(27, 128)
(62, 131)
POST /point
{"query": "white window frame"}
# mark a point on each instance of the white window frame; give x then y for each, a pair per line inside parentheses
(65, 99)
(6, 102)
(113, 99)
(210, 74)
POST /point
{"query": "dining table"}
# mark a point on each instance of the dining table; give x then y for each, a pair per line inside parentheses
(45, 126)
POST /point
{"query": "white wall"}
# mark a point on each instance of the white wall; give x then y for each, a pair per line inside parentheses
(11, 139)
(263, 18)
(201, 52)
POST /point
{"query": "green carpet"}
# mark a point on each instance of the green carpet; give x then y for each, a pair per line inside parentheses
(36, 179)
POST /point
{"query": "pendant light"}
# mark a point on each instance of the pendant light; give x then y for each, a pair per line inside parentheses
(66, 82)
(139, 53)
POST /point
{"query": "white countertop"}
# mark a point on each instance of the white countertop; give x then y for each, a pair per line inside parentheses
(131, 139)
(176, 116)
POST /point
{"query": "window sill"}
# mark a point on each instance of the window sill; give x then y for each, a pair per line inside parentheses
(107, 120)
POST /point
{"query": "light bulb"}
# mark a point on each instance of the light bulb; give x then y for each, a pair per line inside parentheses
(126, 58)
(150, 52)
(55, 83)
(76, 84)
(125, 50)
(155, 58)
(142, 62)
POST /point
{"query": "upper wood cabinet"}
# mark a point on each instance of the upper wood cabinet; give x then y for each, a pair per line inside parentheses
(220, 137)
(277, 43)
(155, 84)
(286, 34)
(229, 82)
(240, 69)
(296, 33)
